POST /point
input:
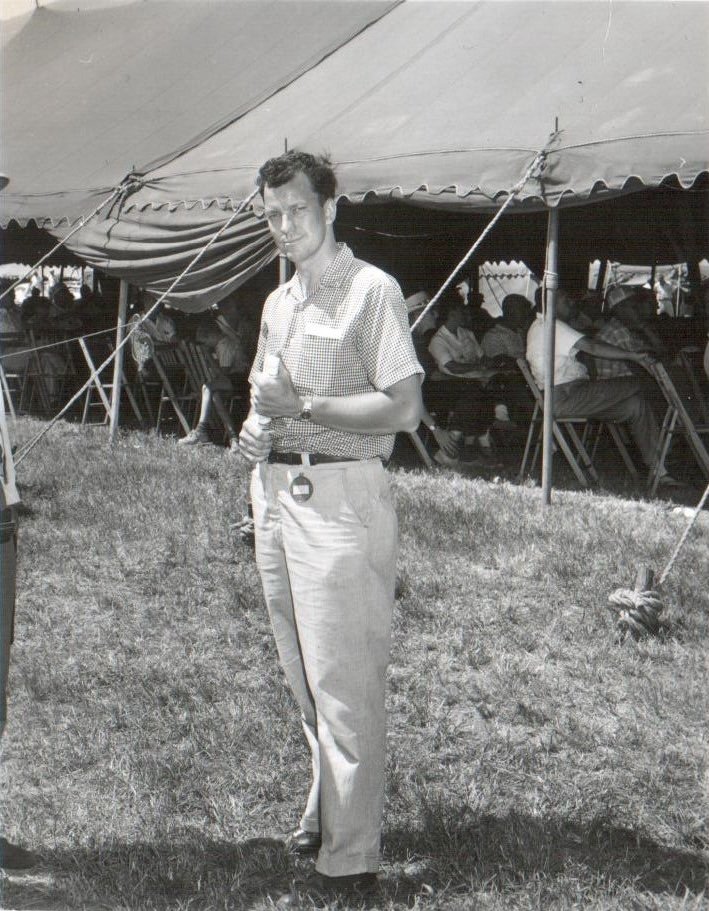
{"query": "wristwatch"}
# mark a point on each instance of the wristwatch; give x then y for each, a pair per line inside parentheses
(306, 412)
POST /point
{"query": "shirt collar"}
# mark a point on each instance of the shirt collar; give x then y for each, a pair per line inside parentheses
(332, 277)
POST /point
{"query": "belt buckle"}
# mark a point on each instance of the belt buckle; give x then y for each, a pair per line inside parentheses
(305, 459)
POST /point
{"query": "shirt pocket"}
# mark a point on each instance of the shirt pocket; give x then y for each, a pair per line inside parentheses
(320, 358)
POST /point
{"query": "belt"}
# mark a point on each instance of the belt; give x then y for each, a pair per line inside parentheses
(305, 458)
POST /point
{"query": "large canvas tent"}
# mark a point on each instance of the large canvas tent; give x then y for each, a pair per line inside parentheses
(436, 104)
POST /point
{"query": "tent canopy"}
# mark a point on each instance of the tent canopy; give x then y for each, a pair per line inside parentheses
(447, 102)
(439, 104)
(90, 94)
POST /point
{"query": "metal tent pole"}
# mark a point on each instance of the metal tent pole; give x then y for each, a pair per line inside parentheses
(118, 359)
(551, 285)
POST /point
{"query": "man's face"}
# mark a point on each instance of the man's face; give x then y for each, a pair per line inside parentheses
(297, 219)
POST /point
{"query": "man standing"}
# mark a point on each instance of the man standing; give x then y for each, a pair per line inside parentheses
(326, 532)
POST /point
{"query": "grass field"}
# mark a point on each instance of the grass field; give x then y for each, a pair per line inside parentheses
(153, 756)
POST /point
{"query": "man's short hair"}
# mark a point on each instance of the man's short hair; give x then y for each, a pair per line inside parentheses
(516, 306)
(317, 168)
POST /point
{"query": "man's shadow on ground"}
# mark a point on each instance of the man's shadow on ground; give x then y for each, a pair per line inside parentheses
(507, 850)
(495, 852)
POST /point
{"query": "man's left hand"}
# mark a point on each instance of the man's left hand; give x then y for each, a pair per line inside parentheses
(275, 396)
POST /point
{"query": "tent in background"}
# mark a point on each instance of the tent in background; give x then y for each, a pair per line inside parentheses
(89, 94)
(436, 104)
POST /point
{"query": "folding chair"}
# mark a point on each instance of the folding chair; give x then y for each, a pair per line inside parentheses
(34, 385)
(177, 387)
(676, 420)
(578, 457)
(95, 353)
(11, 379)
(200, 364)
(691, 359)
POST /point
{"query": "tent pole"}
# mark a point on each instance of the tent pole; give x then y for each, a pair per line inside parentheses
(551, 285)
(118, 359)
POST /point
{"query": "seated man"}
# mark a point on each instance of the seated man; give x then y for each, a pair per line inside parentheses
(575, 395)
(626, 327)
(229, 376)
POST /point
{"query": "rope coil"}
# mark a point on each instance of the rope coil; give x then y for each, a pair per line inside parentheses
(638, 610)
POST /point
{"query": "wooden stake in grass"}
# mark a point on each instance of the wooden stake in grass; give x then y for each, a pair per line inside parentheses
(638, 609)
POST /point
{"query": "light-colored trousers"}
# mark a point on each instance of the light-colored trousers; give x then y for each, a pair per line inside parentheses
(328, 568)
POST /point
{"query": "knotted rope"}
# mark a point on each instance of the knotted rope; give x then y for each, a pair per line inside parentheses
(639, 609)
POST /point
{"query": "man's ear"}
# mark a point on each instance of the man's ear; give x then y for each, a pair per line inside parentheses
(330, 209)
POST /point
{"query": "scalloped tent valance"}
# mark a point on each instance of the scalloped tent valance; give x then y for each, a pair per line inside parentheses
(439, 104)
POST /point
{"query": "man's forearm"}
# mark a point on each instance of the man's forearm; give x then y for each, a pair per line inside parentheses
(457, 367)
(597, 348)
(370, 412)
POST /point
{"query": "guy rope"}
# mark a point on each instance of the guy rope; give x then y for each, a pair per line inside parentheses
(638, 610)
(95, 373)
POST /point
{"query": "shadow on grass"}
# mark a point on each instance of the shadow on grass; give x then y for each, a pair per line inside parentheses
(496, 853)
(516, 848)
(196, 873)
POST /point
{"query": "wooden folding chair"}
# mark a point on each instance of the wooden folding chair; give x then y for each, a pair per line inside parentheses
(34, 385)
(12, 380)
(177, 386)
(200, 364)
(578, 457)
(676, 420)
(420, 448)
(95, 353)
(691, 359)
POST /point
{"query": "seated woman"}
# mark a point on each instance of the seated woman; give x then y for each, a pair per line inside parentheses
(230, 370)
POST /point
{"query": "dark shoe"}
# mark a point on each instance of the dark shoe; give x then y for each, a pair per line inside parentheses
(321, 889)
(13, 857)
(303, 842)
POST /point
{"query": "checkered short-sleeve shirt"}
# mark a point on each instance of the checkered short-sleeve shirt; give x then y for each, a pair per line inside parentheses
(349, 336)
(615, 333)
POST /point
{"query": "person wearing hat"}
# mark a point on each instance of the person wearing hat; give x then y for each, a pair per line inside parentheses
(629, 311)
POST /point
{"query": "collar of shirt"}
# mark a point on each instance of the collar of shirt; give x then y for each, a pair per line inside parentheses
(332, 277)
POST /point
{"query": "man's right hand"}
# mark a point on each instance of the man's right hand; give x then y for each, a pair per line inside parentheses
(255, 440)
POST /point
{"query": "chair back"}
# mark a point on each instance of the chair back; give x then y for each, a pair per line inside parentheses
(526, 372)
(691, 358)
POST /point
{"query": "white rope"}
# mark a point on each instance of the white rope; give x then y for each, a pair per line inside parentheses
(95, 373)
(516, 189)
(680, 544)
(65, 341)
